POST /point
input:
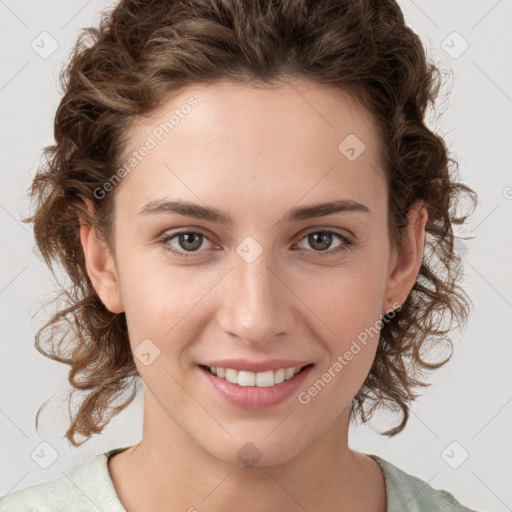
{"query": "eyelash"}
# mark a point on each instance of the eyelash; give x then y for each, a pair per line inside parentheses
(344, 246)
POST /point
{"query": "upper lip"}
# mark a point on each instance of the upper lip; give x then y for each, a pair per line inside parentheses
(256, 366)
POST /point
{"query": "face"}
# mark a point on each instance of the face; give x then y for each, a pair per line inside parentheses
(266, 277)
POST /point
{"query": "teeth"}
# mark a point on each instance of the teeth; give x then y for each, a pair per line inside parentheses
(260, 379)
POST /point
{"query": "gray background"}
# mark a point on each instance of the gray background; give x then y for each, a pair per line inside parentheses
(469, 402)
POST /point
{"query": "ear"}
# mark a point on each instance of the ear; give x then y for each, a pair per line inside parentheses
(406, 261)
(100, 264)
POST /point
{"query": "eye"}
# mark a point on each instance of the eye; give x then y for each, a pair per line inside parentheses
(321, 240)
(186, 241)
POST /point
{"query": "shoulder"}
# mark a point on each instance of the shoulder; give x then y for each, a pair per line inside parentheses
(408, 493)
(86, 487)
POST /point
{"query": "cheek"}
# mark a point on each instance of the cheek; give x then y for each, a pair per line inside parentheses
(160, 301)
(345, 299)
(348, 330)
(347, 312)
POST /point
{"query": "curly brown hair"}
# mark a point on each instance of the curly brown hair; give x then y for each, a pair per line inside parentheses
(144, 50)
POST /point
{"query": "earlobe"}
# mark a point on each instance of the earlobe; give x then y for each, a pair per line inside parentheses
(100, 267)
(408, 259)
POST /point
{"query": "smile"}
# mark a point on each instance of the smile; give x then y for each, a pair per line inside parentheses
(259, 379)
(251, 390)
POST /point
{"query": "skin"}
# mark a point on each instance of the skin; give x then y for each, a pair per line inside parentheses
(254, 153)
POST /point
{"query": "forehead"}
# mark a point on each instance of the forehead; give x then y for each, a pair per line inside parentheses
(228, 139)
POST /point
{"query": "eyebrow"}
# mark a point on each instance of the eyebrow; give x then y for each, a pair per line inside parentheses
(189, 209)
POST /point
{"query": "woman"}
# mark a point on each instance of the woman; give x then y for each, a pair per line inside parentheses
(257, 223)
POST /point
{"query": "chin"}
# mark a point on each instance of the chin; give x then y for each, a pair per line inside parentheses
(257, 453)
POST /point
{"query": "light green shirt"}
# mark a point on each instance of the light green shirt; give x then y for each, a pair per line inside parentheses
(88, 487)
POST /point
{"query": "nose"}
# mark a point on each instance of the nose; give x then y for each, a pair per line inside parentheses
(256, 302)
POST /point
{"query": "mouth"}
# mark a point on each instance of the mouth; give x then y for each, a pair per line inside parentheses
(242, 378)
(250, 390)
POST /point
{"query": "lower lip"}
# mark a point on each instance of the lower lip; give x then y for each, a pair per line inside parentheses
(252, 397)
